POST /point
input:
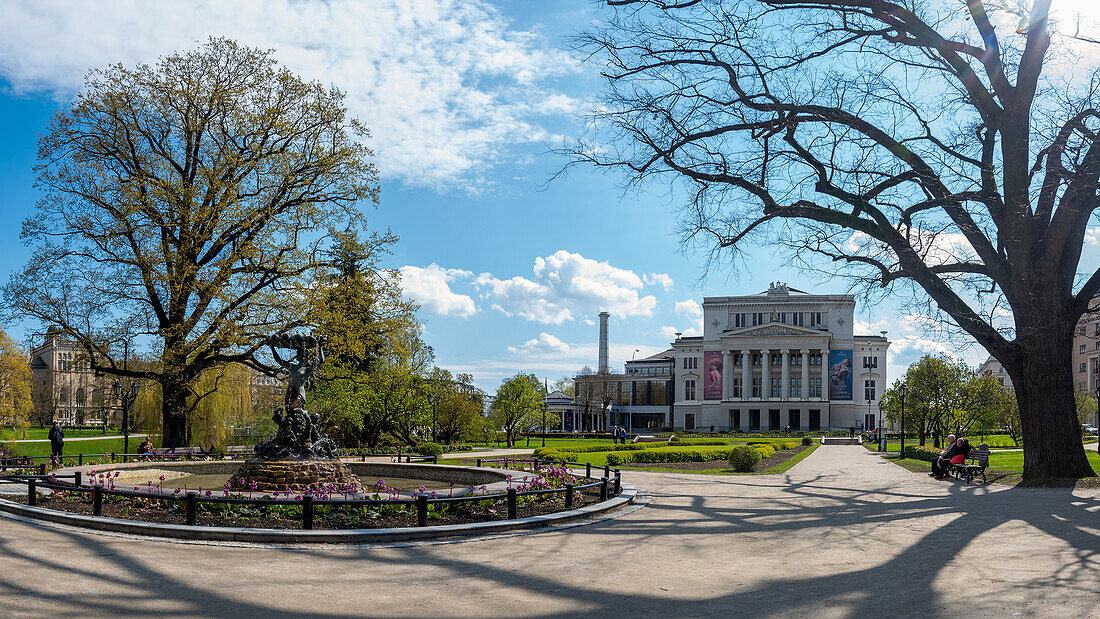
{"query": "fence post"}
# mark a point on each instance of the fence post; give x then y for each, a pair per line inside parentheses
(479, 463)
(606, 471)
(536, 463)
(32, 492)
(42, 469)
(80, 459)
(77, 481)
(618, 481)
(125, 457)
(97, 500)
(568, 496)
(588, 469)
(192, 501)
(511, 503)
(603, 489)
(307, 512)
(421, 510)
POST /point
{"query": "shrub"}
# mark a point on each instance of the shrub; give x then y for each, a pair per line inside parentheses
(743, 458)
(785, 445)
(430, 449)
(765, 451)
(620, 457)
(556, 455)
(806, 440)
(918, 452)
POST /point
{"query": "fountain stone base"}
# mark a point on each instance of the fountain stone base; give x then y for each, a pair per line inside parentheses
(297, 475)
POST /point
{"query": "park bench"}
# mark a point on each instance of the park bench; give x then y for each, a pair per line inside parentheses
(237, 450)
(974, 464)
(176, 452)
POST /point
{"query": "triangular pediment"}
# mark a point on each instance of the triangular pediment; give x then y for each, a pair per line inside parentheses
(773, 329)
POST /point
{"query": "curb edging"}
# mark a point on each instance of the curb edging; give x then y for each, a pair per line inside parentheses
(296, 536)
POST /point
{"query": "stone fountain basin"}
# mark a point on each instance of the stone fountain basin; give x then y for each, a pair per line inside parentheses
(213, 474)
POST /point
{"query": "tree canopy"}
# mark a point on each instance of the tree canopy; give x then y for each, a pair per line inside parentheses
(186, 205)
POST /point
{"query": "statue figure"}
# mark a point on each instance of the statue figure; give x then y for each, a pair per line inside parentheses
(297, 437)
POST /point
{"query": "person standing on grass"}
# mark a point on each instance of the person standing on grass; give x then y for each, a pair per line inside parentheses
(57, 442)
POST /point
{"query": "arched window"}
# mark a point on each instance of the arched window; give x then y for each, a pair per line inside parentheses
(63, 395)
(80, 396)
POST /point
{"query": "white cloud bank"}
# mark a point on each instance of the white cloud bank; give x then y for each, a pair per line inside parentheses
(544, 343)
(691, 310)
(446, 86)
(566, 286)
(430, 287)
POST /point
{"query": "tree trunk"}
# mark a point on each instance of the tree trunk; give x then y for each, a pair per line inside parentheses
(1043, 379)
(174, 413)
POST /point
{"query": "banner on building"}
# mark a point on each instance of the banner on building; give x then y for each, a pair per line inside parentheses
(840, 375)
(712, 375)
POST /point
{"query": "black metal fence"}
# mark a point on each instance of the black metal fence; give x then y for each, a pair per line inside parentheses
(607, 485)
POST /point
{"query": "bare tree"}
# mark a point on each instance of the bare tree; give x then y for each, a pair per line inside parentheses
(915, 147)
(186, 205)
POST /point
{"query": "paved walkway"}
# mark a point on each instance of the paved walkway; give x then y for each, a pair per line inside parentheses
(844, 533)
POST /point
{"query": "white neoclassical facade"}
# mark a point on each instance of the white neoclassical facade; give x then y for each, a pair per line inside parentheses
(782, 357)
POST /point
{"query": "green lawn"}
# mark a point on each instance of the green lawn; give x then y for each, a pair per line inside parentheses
(41, 433)
(1009, 462)
(110, 445)
(996, 441)
(775, 470)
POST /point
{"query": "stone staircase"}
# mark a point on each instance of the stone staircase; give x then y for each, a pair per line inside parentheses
(841, 440)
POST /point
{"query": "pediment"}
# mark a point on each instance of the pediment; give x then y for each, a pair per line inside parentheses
(774, 329)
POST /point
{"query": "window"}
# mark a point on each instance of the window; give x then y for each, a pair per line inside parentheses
(815, 319)
(739, 320)
(1081, 331)
(796, 359)
(754, 419)
(691, 363)
(783, 317)
(794, 420)
(815, 387)
(736, 359)
(1098, 346)
(777, 358)
(870, 362)
(756, 358)
(797, 319)
(737, 388)
(1081, 348)
(776, 382)
(869, 390)
(796, 388)
(757, 318)
(773, 419)
(815, 420)
(756, 386)
(735, 419)
(689, 389)
(1082, 368)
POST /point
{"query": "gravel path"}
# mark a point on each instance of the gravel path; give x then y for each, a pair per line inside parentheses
(843, 533)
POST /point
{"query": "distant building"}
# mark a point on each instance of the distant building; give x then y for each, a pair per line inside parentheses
(64, 387)
(1086, 349)
(992, 367)
(776, 358)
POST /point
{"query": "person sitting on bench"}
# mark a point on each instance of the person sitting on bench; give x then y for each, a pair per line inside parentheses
(939, 463)
(146, 447)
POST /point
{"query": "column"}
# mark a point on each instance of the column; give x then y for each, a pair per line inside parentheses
(727, 376)
(805, 375)
(746, 375)
(785, 374)
(766, 373)
(824, 372)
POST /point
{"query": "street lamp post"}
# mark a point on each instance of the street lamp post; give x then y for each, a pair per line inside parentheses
(1098, 404)
(901, 392)
(127, 399)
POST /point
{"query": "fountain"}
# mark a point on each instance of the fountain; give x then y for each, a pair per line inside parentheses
(298, 457)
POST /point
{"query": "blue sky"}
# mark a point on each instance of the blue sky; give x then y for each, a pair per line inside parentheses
(464, 100)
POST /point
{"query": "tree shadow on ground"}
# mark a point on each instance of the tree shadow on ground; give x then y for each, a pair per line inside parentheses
(583, 568)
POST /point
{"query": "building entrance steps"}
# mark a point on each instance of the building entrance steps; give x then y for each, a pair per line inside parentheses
(841, 440)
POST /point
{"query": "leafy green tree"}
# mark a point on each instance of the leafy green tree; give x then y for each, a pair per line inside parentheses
(936, 391)
(187, 204)
(15, 386)
(517, 405)
(1086, 406)
(456, 406)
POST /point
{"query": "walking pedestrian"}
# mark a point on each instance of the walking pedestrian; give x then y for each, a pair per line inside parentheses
(57, 443)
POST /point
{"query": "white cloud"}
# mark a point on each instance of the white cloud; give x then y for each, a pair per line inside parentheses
(446, 86)
(863, 327)
(430, 287)
(689, 308)
(652, 279)
(544, 343)
(670, 332)
(565, 286)
(1092, 236)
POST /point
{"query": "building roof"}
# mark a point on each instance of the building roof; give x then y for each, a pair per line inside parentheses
(557, 395)
(664, 355)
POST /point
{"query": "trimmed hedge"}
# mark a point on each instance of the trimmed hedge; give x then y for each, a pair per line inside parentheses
(744, 458)
(806, 440)
(650, 457)
(430, 449)
(629, 447)
(918, 452)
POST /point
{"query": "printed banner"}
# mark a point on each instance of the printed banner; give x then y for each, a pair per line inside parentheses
(712, 375)
(840, 375)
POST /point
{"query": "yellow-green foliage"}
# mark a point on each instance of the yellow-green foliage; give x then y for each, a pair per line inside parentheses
(744, 458)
